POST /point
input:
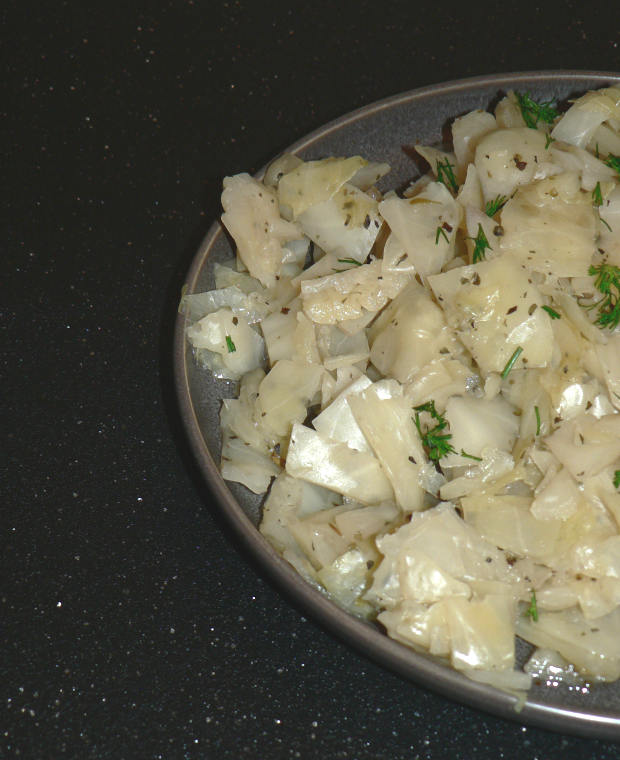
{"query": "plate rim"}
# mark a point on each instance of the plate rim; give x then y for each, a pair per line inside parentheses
(363, 637)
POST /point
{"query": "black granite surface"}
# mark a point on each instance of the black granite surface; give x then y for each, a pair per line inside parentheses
(132, 623)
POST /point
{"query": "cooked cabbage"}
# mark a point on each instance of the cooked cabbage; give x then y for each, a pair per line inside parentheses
(430, 386)
(252, 217)
(414, 223)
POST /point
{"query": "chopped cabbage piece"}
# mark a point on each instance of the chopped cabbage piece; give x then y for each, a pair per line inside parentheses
(495, 309)
(243, 464)
(467, 131)
(479, 424)
(592, 646)
(313, 182)
(409, 334)
(237, 347)
(345, 295)
(508, 158)
(338, 422)
(285, 394)
(385, 419)
(252, 217)
(425, 226)
(347, 224)
(550, 227)
(333, 465)
(585, 445)
(589, 111)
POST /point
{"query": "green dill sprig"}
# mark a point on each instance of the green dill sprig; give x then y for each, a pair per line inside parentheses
(470, 456)
(537, 413)
(480, 245)
(445, 174)
(511, 362)
(492, 207)
(441, 233)
(597, 200)
(617, 479)
(597, 195)
(351, 261)
(551, 312)
(533, 112)
(607, 282)
(436, 444)
(613, 162)
(605, 223)
(548, 141)
(230, 345)
(532, 610)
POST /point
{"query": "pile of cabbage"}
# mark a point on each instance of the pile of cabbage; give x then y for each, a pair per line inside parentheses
(347, 311)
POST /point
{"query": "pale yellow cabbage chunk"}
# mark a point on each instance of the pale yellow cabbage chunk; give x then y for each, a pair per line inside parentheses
(346, 294)
(334, 465)
(415, 221)
(409, 334)
(467, 131)
(495, 310)
(313, 182)
(232, 346)
(592, 646)
(346, 224)
(550, 227)
(508, 158)
(252, 217)
(384, 417)
(589, 111)
(285, 394)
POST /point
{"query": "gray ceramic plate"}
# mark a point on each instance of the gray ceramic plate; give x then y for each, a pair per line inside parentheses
(382, 131)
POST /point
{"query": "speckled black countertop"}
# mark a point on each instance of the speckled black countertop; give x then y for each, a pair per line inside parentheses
(133, 625)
